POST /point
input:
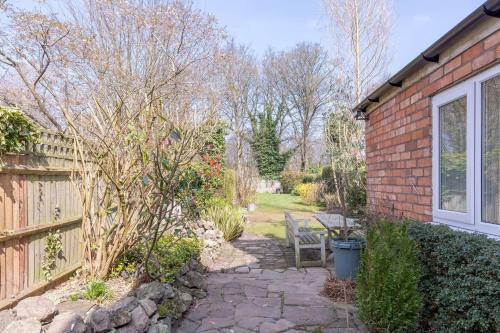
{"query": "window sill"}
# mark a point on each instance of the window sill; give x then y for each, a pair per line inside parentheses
(469, 228)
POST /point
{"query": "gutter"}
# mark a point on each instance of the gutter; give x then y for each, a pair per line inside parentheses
(490, 8)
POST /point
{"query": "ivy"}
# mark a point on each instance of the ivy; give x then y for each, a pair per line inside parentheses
(265, 143)
(15, 131)
(53, 249)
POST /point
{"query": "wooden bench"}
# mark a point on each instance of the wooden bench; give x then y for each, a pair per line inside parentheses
(298, 232)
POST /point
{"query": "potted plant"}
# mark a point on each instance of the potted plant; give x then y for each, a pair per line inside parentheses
(346, 249)
(344, 141)
(347, 256)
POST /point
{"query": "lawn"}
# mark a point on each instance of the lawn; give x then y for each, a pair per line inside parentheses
(268, 218)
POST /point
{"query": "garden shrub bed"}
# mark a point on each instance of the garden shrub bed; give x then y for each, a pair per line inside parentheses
(308, 192)
(227, 218)
(154, 306)
(417, 277)
(290, 179)
(168, 256)
(460, 281)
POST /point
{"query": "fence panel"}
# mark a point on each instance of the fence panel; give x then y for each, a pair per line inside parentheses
(37, 197)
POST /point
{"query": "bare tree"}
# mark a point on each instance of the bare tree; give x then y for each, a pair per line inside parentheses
(274, 94)
(308, 77)
(240, 96)
(25, 52)
(361, 30)
(133, 83)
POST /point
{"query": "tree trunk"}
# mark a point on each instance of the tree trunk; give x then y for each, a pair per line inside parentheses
(343, 204)
(303, 152)
(238, 157)
(357, 53)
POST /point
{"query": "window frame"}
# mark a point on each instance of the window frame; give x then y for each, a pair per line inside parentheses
(479, 79)
(448, 96)
(471, 220)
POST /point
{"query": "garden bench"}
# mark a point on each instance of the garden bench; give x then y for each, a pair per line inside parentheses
(298, 232)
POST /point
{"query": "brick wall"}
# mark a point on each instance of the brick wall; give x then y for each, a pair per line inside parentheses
(399, 136)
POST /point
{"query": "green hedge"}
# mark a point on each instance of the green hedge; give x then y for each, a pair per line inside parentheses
(290, 179)
(386, 284)
(460, 281)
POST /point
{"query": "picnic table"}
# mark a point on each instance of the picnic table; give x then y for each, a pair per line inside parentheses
(334, 223)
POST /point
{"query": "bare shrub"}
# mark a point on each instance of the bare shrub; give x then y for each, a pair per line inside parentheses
(132, 83)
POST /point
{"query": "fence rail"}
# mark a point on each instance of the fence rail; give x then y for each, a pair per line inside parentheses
(37, 196)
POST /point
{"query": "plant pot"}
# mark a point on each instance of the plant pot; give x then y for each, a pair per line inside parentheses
(346, 256)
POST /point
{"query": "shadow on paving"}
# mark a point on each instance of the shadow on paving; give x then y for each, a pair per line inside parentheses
(256, 251)
(254, 287)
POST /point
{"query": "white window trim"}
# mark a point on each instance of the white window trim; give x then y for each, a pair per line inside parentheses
(471, 220)
(481, 226)
(444, 216)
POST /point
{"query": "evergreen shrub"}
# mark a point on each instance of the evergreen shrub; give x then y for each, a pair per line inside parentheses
(387, 281)
(460, 281)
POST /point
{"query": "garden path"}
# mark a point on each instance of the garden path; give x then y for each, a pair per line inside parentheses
(253, 288)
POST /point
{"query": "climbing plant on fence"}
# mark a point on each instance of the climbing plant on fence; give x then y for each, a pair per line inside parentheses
(15, 131)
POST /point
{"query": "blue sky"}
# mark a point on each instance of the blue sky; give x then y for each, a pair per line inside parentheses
(282, 23)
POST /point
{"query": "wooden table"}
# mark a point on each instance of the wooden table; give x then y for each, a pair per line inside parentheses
(334, 223)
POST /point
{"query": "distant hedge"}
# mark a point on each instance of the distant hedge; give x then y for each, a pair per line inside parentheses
(460, 282)
(290, 179)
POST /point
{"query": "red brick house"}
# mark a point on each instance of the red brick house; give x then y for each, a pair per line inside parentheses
(433, 131)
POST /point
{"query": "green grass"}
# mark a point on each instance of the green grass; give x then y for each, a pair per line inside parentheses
(268, 218)
(97, 290)
(94, 291)
(275, 229)
(281, 202)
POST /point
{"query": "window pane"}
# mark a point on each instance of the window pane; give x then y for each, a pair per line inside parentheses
(490, 160)
(452, 159)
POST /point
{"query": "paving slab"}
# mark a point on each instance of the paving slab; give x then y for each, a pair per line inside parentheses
(275, 326)
(253, 310)
(214, 323)
(252, 288)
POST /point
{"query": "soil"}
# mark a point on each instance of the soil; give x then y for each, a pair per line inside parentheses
(119, 288)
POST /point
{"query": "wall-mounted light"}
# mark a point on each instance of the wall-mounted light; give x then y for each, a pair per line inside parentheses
(434, 58)
(361, 114)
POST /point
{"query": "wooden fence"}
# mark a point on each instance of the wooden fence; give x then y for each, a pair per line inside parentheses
(37, 197)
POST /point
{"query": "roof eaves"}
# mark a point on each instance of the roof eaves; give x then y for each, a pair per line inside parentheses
(489, 8)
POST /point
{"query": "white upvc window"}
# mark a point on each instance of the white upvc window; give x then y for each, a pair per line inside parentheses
(466, 154)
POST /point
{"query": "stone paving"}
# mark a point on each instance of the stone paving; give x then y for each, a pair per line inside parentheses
(252, 288)
(257, 251)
